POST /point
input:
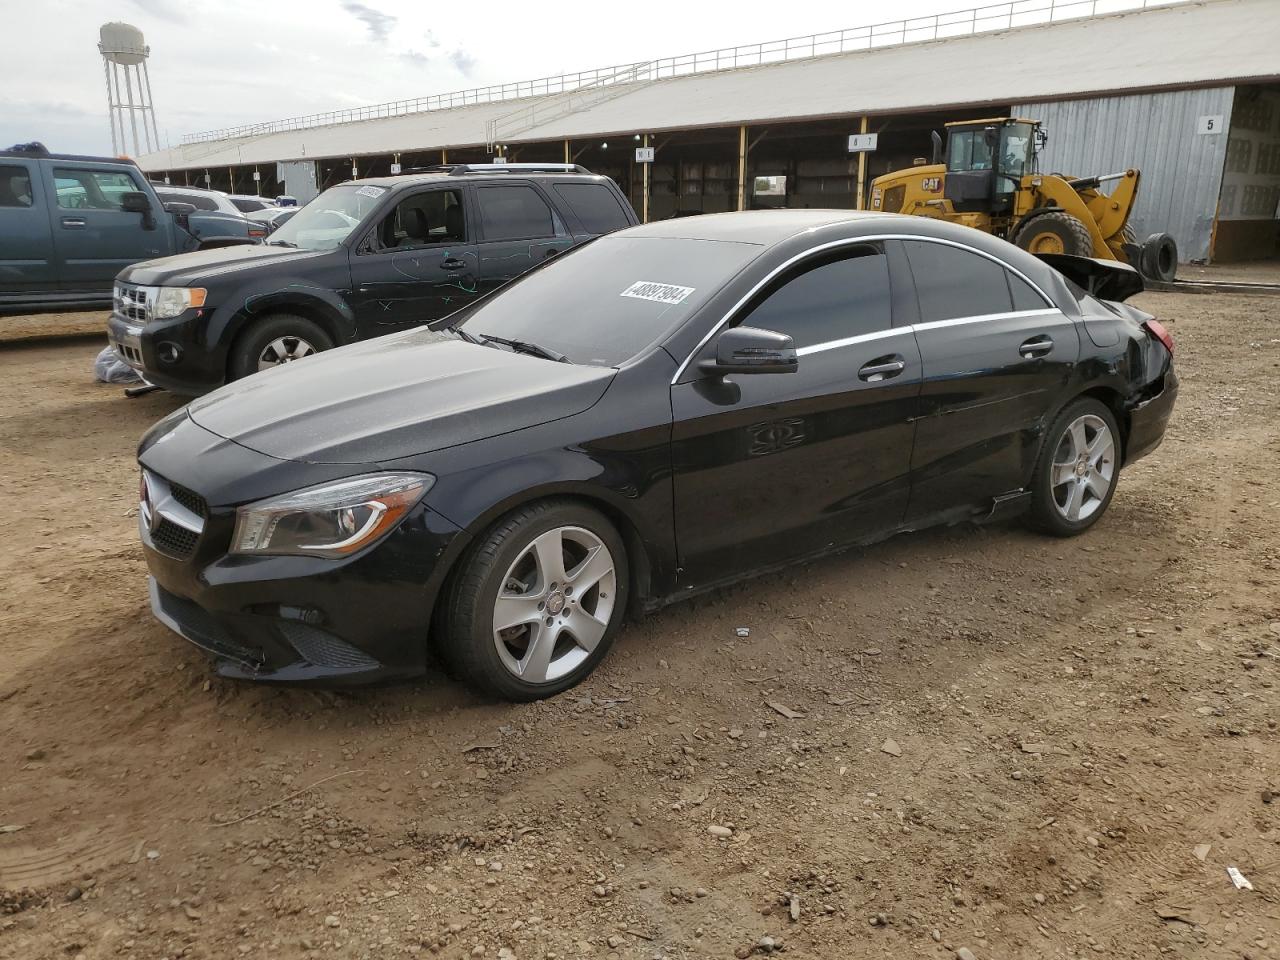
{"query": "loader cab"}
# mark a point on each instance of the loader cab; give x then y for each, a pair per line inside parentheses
(986, 161)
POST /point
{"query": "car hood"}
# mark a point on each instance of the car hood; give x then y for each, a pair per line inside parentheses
(395, 396)
(205, 266)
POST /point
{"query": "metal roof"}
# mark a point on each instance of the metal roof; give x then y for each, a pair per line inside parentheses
(1199, 44)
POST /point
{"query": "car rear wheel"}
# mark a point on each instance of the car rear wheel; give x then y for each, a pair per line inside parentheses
(274, 341)
(537, 602)
(1077, 471)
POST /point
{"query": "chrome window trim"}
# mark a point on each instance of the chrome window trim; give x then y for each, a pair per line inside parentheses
(915, 327)
(856, 241)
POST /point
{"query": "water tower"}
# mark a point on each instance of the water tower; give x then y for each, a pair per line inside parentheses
(124, 54)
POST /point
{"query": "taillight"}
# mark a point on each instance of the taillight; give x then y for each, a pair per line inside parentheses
(257, 232)
(1157, 330)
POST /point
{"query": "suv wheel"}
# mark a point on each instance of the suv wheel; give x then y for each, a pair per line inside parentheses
(276, 339)
(537, 601)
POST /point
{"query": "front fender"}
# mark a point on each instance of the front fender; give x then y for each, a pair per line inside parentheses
(303, 297)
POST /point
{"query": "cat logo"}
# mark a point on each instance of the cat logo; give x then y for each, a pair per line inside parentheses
(931, 185)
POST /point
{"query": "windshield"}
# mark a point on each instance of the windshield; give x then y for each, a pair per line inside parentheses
(607, 300)
(328, 219)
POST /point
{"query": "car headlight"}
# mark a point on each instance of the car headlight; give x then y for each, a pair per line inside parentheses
(332, 520)
(172, 301)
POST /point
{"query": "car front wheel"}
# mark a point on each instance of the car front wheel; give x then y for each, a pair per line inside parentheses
(537, 602)
(273, 341)
(1078, 469)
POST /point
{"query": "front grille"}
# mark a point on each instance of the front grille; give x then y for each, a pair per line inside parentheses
(324, 649)
(178, 542)
(130, 355)
(132, 302)
(189, 499)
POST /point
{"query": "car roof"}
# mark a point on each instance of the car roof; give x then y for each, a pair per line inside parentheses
(497, 175)
(765, 227)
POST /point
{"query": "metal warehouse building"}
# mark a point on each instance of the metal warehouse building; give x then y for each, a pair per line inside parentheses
(1188, 92)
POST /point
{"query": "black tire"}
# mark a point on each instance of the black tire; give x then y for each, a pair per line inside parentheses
(1047, 512)
(1073, 235)
(1160, 257)
(467, 641)
(254, 340)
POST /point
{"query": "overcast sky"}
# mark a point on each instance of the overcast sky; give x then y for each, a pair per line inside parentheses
(239, 61)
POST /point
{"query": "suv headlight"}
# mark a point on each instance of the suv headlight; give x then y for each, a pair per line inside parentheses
(171, 301)
(332, 520)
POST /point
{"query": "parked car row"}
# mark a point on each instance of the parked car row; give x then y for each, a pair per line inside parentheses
(362, 259)
(69, 224)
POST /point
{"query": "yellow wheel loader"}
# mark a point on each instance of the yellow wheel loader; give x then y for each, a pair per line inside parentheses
(990, 182)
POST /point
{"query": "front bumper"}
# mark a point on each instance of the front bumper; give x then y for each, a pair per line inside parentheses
(189, 367)
(1149, 418)
(282, 618)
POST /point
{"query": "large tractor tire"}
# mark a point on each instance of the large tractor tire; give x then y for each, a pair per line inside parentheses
(1055, 233)
(1159, 258)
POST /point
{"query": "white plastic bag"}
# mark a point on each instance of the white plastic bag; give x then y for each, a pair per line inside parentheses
(108, 368)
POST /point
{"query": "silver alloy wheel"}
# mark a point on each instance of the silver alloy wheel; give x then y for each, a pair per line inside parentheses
(284, 350)
(554, 605)
(1084, 466)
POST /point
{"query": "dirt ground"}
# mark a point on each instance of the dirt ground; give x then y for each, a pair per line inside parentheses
(1005, 744)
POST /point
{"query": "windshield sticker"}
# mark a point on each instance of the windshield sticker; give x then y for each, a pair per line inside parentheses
(369, 190)
(667, 293)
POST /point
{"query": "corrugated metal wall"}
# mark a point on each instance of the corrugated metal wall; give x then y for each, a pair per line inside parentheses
(1155, 132)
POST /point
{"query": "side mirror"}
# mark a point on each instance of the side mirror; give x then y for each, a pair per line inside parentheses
(137, 202)
(751, 350)
(992, 136)
(937, 146)
(180, 211)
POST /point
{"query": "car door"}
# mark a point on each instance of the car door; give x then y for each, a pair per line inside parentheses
(417, 264)
(997, 357)
(770, 467)
(518, 230)
(94, 238)
(27, 263)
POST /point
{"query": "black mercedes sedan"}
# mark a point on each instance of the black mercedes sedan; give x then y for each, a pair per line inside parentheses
(659, 412)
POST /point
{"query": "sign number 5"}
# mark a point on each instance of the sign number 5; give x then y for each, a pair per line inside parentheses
(1209, 125)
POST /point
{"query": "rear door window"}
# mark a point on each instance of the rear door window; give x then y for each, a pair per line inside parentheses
(83, 189)
(514, 212)
(596, 206)
(831, 299)
(952, 282)
(15, 187)
(1024, 297)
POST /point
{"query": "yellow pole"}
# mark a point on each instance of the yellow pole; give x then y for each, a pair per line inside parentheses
(566, 152)
(742, 167)
(645, 217)
(444, 156)
(862, 172)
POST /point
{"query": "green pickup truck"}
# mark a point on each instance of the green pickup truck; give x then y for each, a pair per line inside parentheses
(69, 224)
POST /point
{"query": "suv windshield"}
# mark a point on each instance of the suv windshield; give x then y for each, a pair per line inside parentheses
(608, 299)
(328, 219)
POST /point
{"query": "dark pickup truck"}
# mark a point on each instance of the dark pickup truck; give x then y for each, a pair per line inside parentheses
(69, 224)
(364, 258)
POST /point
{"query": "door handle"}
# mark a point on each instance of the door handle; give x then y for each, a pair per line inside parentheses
(453, 263)
(73, 223)
(882, 368)
(1036, 347)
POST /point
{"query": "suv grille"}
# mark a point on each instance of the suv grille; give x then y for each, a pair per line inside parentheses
(132, 302)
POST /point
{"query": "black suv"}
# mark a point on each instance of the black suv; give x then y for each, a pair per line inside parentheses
(364, 258)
